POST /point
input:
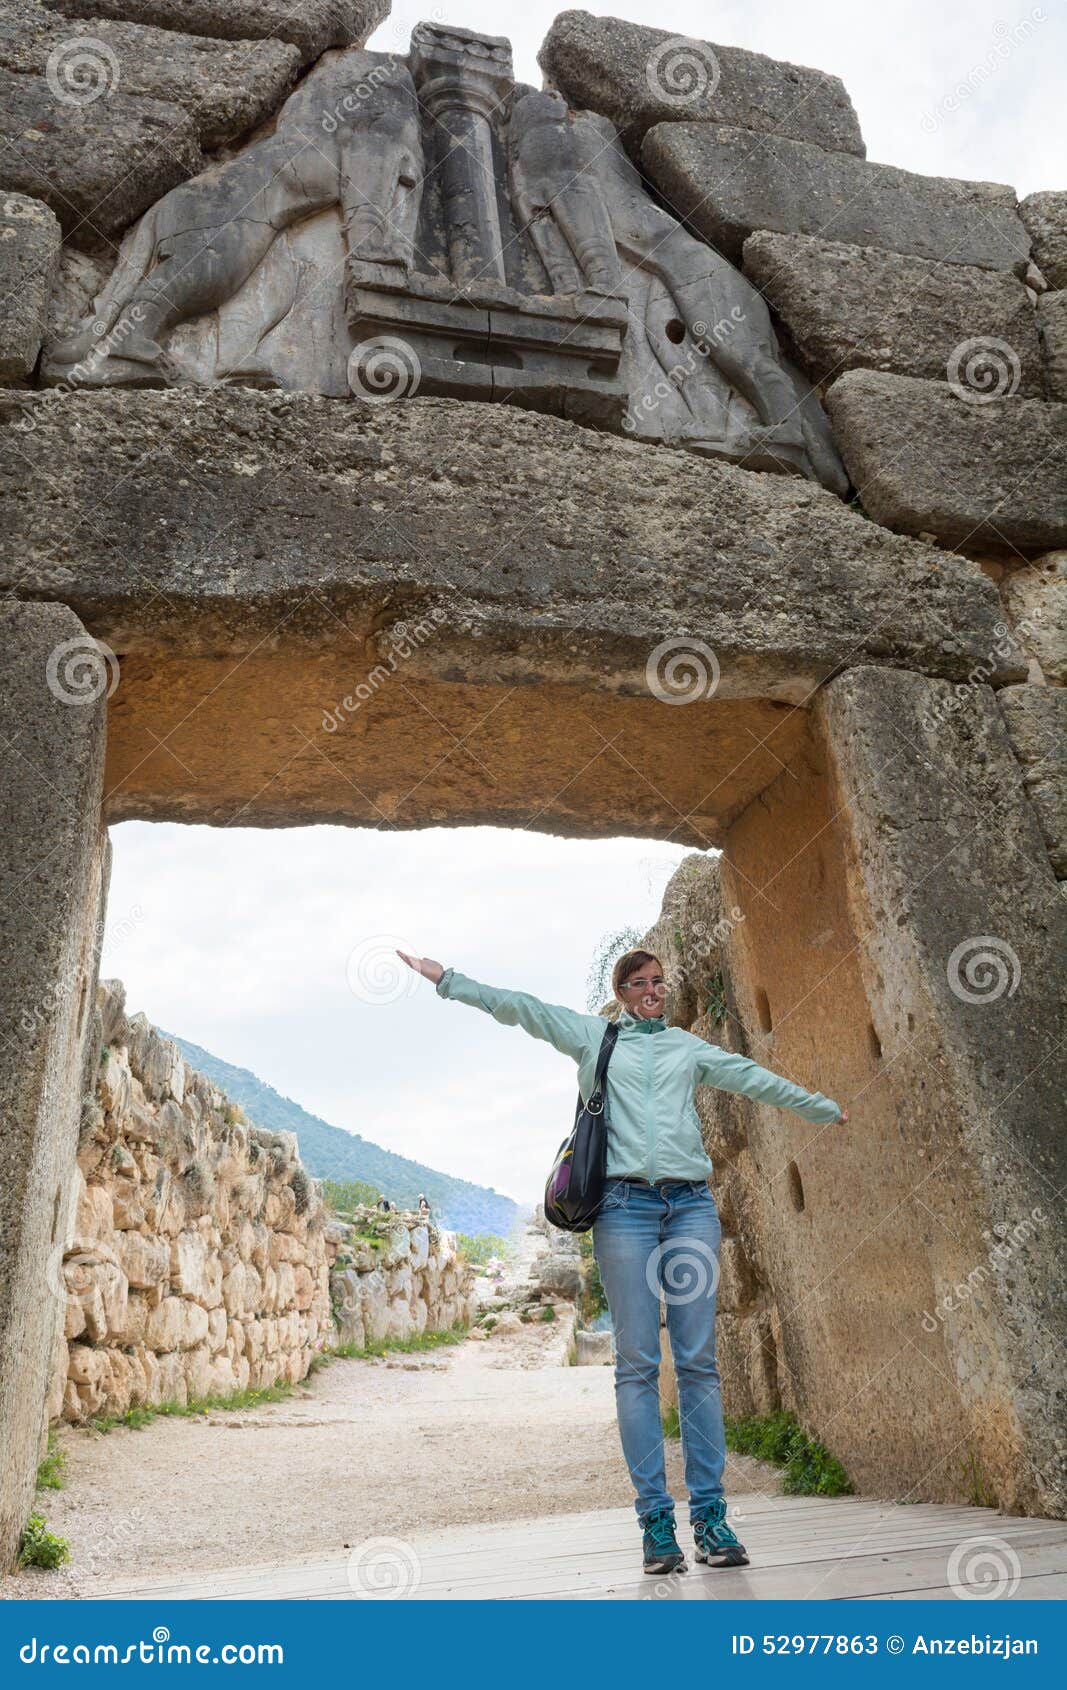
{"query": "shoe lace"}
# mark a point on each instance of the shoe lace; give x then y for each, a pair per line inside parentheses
(660, 1528)
(713, 1524)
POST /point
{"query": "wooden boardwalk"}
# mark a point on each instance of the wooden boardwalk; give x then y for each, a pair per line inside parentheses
(801, 1548)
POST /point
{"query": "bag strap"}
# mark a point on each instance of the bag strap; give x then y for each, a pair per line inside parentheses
(607, 1045)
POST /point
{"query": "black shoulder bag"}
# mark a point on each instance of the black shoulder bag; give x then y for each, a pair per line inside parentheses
(575, 1187)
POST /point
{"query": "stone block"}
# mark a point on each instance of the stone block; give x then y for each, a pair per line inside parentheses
(225, 88)
(593, 1349)
(960, 930)
(311, 25)
(1052, 325)
(729, 182)
(326, 506)
(983, 473)
(144, 1260)
(1045, 216)
(52, 877)
(638, 77)
(1037, 728)
(30, 240)
(1035, 598)
(98, 166)
(851, 307)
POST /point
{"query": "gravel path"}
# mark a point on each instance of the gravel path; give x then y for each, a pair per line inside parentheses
(485, 1430)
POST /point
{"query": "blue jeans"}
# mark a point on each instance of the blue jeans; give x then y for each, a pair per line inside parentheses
(652, 1243)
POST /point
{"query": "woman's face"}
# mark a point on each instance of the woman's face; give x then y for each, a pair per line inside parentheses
(644, 994)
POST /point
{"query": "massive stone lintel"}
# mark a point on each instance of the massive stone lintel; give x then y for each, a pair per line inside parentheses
(250, 556)
(52, 882)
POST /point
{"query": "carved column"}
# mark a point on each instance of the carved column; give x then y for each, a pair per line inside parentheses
(462, 81)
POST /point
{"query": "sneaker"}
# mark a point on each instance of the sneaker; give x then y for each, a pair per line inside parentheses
(716, 1544)
(662, 1551)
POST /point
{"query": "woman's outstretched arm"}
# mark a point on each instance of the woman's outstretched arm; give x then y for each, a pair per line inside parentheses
(565, 1029)
(732, 1072)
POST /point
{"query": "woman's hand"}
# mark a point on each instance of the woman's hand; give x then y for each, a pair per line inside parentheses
(423, 965)
(842, 1117)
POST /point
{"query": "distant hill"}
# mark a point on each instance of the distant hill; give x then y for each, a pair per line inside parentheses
(331, 1153)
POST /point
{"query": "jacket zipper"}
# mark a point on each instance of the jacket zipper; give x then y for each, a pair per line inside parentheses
(649, 1132)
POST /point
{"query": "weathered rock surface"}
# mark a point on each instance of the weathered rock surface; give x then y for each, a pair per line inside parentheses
(310, 25)
(1037, 728)
(98, 165)
(29, 261)
(962, 929)
(394, 1276)
(987, 475)
(570, 554)
(1052, 323)
(196, 1260)
(1035, 598)
(52, 883)
(730, 182)
(1045, 216)
(637, 77)
(225, 87)
(851, 307)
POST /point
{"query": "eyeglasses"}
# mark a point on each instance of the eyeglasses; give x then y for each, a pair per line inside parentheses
(639, 985)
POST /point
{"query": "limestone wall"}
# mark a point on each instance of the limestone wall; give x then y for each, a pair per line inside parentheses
(199, 1252)
(394, 1276)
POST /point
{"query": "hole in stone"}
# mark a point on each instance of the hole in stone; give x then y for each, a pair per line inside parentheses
(675, 331)
(763, 1010)
(874, 1041)
(796, 1188)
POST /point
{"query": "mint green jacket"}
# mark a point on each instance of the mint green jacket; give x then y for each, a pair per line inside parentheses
(653, 1126)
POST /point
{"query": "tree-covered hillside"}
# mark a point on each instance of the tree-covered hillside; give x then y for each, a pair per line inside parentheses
(331, 1153)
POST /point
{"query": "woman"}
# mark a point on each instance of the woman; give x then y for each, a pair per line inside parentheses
(657, 1233)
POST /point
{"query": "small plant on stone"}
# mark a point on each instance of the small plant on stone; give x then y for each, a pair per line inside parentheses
(715, 997)
(38, 1547)
(548, 1312)
(50, 1471)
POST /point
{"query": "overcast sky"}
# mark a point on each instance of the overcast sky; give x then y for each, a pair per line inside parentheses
(268, 947)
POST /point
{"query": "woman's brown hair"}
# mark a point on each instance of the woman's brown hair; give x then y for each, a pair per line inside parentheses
(628, 964)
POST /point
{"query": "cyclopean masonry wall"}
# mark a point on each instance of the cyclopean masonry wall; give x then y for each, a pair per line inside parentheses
(201, 1260)
(832, 530)
(197, 1261)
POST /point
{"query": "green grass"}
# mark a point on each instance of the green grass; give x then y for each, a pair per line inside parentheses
(135, 1418)
(809, 1468)
(50, 1471)
(38, 1547)
(548, 1312)
(383, 1346)
(672, 1426)
(594, 1300)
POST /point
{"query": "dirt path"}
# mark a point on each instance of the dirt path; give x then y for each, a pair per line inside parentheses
(482, 1431)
